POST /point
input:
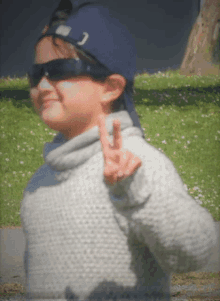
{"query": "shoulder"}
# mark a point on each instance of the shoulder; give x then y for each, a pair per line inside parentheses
(154, 162)
(44, 176)
(140, 147)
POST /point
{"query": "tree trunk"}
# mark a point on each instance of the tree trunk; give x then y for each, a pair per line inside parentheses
(202, 56)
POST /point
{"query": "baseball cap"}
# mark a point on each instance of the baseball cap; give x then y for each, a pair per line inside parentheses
(91, 27)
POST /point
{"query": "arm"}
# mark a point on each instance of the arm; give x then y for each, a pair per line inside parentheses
(153, 202)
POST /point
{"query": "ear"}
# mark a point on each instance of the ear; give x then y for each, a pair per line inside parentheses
(114, 86)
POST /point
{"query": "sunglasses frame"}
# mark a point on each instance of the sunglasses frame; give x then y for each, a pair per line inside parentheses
(61, 69)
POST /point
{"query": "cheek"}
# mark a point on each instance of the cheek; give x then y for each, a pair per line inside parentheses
(34, 97)
(69, 89)
(33, 94)
(67, 85)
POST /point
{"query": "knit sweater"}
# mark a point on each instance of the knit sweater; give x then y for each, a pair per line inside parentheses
(86, 240)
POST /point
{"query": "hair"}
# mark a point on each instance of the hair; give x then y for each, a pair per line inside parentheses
(70, 51)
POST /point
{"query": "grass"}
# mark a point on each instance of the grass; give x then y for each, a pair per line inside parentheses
(180, 116)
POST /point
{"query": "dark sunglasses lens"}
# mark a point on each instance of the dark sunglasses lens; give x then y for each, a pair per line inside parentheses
(34, 75)
(63, 69)
(67, 68)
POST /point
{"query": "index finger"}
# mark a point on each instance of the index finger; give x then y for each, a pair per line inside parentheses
(103, 133)
(117, 135)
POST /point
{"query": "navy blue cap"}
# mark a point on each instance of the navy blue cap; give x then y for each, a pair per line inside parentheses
(91, 27)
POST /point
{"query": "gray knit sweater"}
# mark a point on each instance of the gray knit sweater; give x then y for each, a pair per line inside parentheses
(89, 241)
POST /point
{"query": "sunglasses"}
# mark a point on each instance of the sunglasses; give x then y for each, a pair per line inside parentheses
(62, 69)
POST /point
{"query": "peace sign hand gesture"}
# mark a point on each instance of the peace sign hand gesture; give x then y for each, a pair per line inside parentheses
(119, 163)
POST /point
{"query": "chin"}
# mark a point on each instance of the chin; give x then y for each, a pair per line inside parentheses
(53, 124)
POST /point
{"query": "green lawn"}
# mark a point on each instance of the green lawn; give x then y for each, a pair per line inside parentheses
(180, 116)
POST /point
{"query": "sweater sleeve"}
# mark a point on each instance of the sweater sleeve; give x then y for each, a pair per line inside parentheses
(154, 204)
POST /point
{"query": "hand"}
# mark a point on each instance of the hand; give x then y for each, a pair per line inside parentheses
(119, 163)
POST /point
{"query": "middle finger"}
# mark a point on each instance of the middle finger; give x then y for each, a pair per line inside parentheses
(117, 138)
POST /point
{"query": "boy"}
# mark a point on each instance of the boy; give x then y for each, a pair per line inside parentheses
(107, 216)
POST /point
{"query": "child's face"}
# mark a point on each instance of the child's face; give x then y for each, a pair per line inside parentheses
(70, 106)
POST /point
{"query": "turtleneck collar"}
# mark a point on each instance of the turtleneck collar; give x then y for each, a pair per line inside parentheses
(62, 154)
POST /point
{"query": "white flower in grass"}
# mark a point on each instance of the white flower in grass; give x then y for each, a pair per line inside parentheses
(182, 137)
(6, 159)
(196, 122)
(188, 142)
(164, 142)
(196, 136)
(21, 162)
(195, 188)
(148, 139)
(9, 185)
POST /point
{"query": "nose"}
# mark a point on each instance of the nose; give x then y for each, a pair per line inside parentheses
(46, 89)
(45, 84)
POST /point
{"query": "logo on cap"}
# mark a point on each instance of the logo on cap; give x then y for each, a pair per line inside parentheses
(63, 30)
(86, 36)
